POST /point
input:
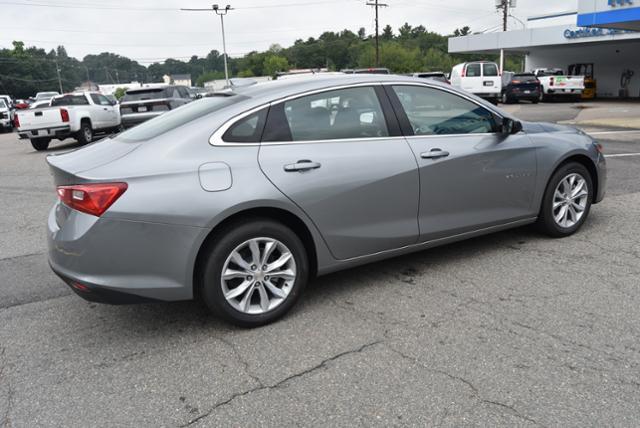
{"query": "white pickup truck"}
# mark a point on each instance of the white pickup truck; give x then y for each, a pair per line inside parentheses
(555, 83)
(79, 115)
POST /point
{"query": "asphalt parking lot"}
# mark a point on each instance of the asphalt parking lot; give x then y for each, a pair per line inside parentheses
(512, 329)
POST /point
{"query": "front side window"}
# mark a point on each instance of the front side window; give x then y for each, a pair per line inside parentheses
(341, 114)
(490, 70)
(437, 112)
(473, 70)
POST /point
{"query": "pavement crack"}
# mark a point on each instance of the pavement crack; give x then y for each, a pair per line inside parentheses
(6, 259)
(474, 389)
(238, 354)
(282, 382)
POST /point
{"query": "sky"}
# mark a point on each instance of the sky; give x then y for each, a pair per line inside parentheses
(153, 30)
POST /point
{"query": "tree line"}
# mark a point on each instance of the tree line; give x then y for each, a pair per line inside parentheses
(27, 70)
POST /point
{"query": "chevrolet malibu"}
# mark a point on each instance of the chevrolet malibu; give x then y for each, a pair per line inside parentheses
(239, 199)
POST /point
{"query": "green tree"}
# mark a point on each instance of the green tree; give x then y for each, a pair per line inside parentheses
(274, 64)
(119, 93)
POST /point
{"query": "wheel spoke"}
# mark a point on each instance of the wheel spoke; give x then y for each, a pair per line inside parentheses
(255, 252)
(268, 250)
(264, 298)
(561, 215)
(275, 290)
(237, 259)
(578, 189)
(284, 258)
(577, 207)
(232, 294)
(565, 216)
(284, 274)
(245, 303)
(232, 273)
(572, 216)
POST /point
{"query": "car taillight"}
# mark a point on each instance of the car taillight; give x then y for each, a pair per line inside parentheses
(92, 199)
(464, 72)
(551, 81)
(64, 115)
(16, 121)
(516, 82)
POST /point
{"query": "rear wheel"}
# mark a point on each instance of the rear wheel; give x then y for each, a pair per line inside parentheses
(254, 273)
(85, 134)
(40, 144)
(567, 201)
(506, 99)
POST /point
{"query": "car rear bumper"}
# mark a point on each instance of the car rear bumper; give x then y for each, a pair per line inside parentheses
(60, 132)
(121, 261)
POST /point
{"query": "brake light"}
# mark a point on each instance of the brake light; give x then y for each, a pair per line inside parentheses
(64, 115)
(516, 82)
(92, 199)
(464, 71)
(16, 121)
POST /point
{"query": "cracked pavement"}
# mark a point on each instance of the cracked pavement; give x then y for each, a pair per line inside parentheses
(511, 329)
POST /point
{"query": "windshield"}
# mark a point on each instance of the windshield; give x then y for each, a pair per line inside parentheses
(70, 100)
(151, 94)
(2, 103)
(178, 117)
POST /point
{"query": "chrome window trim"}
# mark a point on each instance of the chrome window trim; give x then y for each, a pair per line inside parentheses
(217, 141)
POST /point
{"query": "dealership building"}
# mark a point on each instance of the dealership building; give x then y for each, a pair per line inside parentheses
(605, 33)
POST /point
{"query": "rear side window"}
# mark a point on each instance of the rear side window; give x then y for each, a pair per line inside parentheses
(490, 70)
(333, 115)
(437, 112)
(70, 100)
(473, 70)
(248, 129)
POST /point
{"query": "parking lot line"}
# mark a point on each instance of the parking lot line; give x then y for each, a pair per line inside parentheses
(622, 155)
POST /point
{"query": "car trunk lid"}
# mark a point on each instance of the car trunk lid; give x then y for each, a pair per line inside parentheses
(66, 167)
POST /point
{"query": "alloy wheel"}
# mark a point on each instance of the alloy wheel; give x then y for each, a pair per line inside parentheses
(258, 276)
(570, 200)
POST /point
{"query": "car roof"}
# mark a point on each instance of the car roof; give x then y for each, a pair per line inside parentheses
(278, 89)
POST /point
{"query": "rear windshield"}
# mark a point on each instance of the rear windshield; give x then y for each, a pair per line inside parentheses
(2, 104)
(525, 78)
(473, 70)
(490, 70)
(70, 100)
(45, 95)
(151, 94)
(178, 117)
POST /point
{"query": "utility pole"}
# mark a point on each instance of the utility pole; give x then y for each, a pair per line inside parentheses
(377, 5)
(504, 5)
(59, 78)
(220, 12)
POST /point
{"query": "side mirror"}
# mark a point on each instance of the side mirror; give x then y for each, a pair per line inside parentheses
(511, 126)
(198, 96)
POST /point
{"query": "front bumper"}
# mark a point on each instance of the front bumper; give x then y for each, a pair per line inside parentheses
(121, 261)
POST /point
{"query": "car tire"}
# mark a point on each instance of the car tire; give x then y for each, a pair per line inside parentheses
(564, 211)
(506, 99)
(535, 100)
(40, 144)
(85, 134)
(224, 296)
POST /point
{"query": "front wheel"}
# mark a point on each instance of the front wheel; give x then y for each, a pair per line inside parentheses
(254, 273)
(40, 144)
(567, 201)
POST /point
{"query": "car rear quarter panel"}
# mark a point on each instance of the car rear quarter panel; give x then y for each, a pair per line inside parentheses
(165, 189)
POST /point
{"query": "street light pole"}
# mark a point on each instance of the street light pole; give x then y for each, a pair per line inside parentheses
(221, 12)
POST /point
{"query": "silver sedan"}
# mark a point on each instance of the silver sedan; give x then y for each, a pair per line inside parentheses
(239, 199)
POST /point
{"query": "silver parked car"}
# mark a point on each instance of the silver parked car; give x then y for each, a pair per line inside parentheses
(240, 198)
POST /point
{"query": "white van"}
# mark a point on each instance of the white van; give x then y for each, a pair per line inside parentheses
(481, 78)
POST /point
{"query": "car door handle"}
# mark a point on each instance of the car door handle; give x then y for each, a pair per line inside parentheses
(302, 165)
(434, 154)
